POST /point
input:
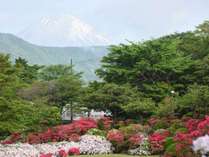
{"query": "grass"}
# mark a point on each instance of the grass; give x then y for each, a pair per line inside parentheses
(113, 155)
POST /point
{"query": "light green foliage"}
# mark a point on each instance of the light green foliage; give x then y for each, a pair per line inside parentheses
(195, 101)
(153, 66)
(22, 116)
(16, 114)
(96, 132)
(66, 89)
(26, 73)
(141, 107)
(166, 107)
(110, 97)
(161, 65)
(54, 72)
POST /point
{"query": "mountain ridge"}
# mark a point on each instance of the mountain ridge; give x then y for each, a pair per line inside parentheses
(86, 59)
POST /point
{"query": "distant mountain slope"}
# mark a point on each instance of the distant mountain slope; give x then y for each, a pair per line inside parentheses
(85, 59)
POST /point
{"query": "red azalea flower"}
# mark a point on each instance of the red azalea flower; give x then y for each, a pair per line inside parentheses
(135, 139)
(62, 153)
(74, 151)
(115, 136)
(46, 155)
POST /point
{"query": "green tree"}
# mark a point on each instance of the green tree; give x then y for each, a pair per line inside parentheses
(66, 90)
(155, 66)
(9, 82)
(110, 97)
(54, 72)
(195, 102)
(140, 108)
(26, 73)
(22, 116)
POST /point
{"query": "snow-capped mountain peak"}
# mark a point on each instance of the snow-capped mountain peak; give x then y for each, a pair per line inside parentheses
(62, 31)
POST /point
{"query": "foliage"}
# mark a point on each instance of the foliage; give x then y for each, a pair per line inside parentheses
(54, 72)
(27, 73)
(21, 116)
(66, 90)
(96, 132)
(160, 68)
(131, 129)
(142, 149)
(143, 107)
(111, 97)
(195, 101)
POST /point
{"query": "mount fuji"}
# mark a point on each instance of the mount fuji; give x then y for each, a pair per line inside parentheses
(63, 31)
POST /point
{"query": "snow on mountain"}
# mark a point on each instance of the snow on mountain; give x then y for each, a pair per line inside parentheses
(62, 31)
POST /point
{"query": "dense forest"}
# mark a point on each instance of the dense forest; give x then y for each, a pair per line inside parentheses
(163, 77)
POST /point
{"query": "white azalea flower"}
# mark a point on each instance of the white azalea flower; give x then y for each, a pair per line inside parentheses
(201, 145)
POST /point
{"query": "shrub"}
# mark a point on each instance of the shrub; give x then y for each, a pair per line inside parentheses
(182, 141)
(74, 151)
(46, 155)
(131, 129)
(62, 153)
(91, 145)
(115, 136)
(201, 145)
(68, 132)
(105, 123)
(22, 116)
(142, 149)
(96, 132)
(157, 141)
(176, 125)
(135, 140)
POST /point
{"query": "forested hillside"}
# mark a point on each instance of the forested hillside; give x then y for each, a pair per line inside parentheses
(85, 59)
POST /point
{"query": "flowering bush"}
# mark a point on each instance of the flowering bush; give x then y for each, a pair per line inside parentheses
(54, 148)
(18, 150)
(90, 145)
(184, 137)
(14, 137)
(142, 149)
(131, 129)
(157, 141)
(74, 151)
(115, 136)
(183, 140)
(96, 132)
(62, 153)
(46, 155)
(201, 145)
(69, 132)
(105, 123)
(135, 140)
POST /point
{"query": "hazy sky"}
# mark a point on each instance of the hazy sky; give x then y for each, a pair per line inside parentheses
(117, 19)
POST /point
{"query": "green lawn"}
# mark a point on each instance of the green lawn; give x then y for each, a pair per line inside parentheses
(113, 155)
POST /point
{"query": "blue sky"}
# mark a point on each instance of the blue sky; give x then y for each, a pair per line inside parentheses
(118, 19)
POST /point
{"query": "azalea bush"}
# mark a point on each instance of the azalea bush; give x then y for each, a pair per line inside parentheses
(201, 145)
(179, 137)
(96, 132)
(68, 132)
(91, 145)
(157, 141)
(180, 144)
(143, 148)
